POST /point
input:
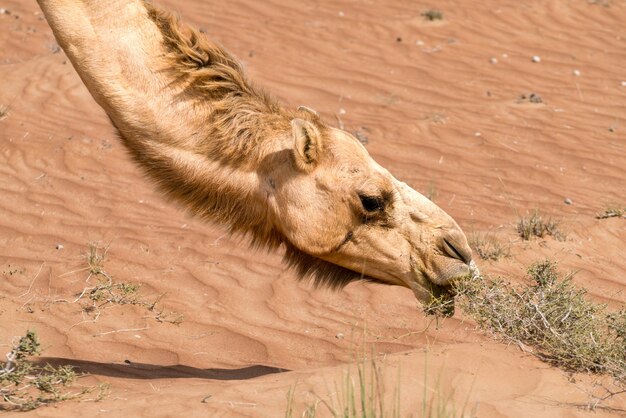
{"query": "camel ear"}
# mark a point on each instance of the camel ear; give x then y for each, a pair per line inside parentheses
(306, 144)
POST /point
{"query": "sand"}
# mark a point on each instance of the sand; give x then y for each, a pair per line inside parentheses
(440, 104)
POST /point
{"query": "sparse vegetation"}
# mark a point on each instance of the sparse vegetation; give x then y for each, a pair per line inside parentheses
(106, 291)
(365, 396)
(432, 15)
(612, 212)
(25, 385)
(551, 318)
(536, 226)
(360, 397)
(440, 305)
(488, 247)
(95, 259)
(4, 111)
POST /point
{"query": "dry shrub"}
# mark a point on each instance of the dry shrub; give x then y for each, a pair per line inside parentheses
(551, 318)
(25, 385)
(536, 226)
(432, 15)
(106, 291)
(612, 212)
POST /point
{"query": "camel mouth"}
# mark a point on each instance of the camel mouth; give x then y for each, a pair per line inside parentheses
(442, 297)
(436, 299)
(439, 291)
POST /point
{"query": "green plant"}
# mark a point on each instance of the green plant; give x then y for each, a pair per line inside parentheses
(536, 226)
(25, 385)
(440, 305)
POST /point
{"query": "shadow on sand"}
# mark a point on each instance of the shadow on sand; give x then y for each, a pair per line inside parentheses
(131, 370)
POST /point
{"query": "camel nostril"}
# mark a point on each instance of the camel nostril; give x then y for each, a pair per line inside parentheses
(461, 252)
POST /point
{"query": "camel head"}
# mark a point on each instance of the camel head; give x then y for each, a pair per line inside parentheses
(335, 203)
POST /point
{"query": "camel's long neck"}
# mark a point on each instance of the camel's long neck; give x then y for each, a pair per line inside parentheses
(114, 47)
(180, 104)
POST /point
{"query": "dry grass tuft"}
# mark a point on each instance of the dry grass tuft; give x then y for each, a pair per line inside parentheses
(536, 226)
(95, 259)
(488, 247)
(362, 393)
(4, 112)
(432, 15)
(550, 318)
(612, 212)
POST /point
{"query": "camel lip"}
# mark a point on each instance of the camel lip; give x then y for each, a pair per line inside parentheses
(428, 290)
(447, 292)
(449, 275)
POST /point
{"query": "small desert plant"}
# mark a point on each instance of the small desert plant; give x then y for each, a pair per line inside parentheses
(108, 292)
(356, 396)
(362, 394)
(440, 306)
(25, 385)
(95, 259)
(612, 212)
(488, 247)
(432, 15)
(105, 291)
(4, 111)
(536, 226)
(116, 293)
(551, 318)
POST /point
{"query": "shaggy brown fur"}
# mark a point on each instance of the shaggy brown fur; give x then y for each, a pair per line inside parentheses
(242, 115)
(242, 118)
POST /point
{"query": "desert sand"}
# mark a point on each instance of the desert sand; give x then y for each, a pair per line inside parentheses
(438, 103)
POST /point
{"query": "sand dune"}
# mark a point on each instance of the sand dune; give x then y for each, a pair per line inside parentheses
(440, 104)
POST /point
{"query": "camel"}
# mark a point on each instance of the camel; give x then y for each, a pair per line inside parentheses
(228, 152)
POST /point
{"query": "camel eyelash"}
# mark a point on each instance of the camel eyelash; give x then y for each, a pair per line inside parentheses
(372, 203)
(375, 204)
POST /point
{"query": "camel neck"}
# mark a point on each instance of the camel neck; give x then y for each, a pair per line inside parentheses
(181, 104)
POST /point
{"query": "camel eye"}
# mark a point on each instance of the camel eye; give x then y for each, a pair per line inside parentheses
(371, 203)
